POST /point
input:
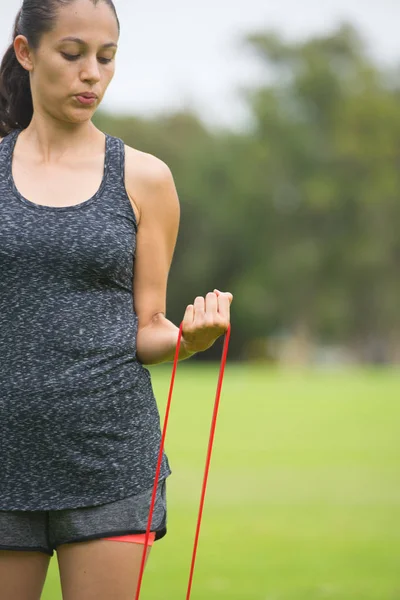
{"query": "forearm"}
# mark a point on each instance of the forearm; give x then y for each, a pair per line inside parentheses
(156, 343)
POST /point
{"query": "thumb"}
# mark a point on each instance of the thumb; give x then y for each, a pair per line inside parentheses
(188, 317)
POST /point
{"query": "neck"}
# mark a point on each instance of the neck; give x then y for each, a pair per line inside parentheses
(52, 139)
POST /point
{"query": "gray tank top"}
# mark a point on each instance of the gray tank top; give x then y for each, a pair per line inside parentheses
(79, 423)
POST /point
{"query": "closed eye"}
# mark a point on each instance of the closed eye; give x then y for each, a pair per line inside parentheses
(72, 57)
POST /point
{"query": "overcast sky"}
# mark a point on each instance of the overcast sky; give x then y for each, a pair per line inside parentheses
(176, 53)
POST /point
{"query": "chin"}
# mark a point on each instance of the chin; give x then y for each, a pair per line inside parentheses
(80, 116)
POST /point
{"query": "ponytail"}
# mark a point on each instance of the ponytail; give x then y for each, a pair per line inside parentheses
(16, 106)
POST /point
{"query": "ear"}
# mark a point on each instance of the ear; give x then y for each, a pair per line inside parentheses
(23, 52)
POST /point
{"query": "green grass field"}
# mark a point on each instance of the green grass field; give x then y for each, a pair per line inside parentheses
(304, 491)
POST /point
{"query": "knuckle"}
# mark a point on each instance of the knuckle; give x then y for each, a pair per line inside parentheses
(209, 321)
(223, 324)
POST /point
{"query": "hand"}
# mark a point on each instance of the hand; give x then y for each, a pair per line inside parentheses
(206, 320)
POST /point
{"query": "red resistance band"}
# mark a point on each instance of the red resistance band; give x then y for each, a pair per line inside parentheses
(208, 460)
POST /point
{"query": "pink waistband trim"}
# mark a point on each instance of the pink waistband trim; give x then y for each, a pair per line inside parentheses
(133, 539)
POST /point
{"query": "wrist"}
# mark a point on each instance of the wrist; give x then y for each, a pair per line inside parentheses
(186, 350)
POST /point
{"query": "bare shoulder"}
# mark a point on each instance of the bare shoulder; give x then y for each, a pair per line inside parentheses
(150, 169)
(149, 182)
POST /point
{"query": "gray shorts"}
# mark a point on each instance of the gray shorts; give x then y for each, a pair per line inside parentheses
(43, 531)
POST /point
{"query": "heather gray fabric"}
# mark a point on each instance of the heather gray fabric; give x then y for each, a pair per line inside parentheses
(44, 531)
(79, 424)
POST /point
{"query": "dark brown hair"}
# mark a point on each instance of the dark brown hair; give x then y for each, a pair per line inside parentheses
(35, 18)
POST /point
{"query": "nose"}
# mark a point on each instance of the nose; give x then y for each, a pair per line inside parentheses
(91, 70)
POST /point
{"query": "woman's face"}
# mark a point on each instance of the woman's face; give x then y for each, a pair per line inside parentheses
(62, 69)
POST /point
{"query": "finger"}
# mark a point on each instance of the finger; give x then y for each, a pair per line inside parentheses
(211, 307)
(224, 307)
(219, 293)
(188, 317)
(199, 309)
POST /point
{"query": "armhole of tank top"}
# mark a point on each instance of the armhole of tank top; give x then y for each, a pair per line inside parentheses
(122, 159)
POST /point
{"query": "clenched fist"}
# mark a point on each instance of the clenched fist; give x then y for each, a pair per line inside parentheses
(206, 320)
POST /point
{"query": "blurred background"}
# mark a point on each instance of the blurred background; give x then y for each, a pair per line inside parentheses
(280, 122)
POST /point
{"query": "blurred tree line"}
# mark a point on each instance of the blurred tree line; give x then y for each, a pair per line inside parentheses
(299, 215)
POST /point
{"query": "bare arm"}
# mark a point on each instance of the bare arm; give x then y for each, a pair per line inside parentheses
(152, 190)
(150, 184)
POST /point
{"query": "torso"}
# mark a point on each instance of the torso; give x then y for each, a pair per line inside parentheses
(69, 322)
(74, 183)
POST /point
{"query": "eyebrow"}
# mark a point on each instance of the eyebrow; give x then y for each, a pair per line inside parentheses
(79, 41)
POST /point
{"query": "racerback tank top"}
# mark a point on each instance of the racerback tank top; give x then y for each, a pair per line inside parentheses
(79, 423)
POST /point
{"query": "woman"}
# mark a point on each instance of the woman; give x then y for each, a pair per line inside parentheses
(88, 228)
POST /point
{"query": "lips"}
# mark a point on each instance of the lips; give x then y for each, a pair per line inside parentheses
(87, 99)
(88, 95)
